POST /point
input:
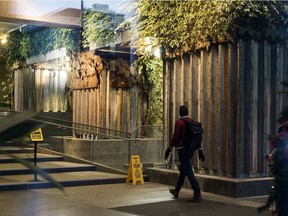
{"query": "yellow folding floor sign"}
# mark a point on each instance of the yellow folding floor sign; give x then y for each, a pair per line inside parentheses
(135, 171)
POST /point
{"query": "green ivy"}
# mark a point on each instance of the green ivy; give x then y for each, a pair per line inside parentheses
(152, 69)
(31, 41)
(178, 25)
(99, 28)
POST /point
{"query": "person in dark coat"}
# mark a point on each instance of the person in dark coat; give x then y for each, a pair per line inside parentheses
(185, 157)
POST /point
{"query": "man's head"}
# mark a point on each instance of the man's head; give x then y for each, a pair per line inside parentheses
(183, 111)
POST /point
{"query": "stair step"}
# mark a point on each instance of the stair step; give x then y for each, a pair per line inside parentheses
(15, 150)
(68, 179)
(49, 167)
(15, 176)
(30, 157)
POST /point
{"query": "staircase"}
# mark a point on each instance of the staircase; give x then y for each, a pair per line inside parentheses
(15, 176)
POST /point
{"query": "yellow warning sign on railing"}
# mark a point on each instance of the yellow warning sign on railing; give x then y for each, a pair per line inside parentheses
(135, 171)
(36, 135)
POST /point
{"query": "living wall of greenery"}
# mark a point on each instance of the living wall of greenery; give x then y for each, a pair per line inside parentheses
(31, 41)
(186, 25)
(99, 27)
(152, 70)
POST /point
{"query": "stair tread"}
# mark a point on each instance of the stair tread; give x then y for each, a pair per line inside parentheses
(43, 165)
(15, 176)
(29, 155)
(11, 147)
(60, 177)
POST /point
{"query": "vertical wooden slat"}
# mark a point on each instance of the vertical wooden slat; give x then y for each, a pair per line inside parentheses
(181, 83)
(93, 107)
(260, 117)
(133, 107)
(16, 91)
(279, 74)
(166, 102)
(188, 83)
(113, 108)
(240, 110)
(174, 108)
(101, 100)
(45, 84)
(97, 113)
(285, 72)
(222, 123)
(227, 113)
(195, 87)
(107, 92)
(55, 98)
(215, 86)
(119, 108)
(255, 96)
(104, 97)
(267, 88)
(273, 88)
(128, 111)
(124, 111)
(62, 94)
(207, 98)
(233, 66)
(178, 85)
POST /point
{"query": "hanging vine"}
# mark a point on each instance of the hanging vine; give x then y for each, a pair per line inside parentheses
(152, 70)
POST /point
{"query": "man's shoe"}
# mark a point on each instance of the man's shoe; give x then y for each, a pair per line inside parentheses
(195, 199)
(174, 193)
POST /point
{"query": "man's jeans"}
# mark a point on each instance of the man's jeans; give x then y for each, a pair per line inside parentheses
(185, 158)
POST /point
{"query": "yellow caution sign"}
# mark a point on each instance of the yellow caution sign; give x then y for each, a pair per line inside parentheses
(135, 172)
(36, 135)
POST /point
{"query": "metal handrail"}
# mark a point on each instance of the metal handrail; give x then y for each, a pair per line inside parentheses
(129, 140)
(83, 130)
(128, 135)
(132, 131)
(86, 125)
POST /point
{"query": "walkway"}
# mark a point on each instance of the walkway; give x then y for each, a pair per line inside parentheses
(121, 200)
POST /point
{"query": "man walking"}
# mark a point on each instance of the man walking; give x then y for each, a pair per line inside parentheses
(185, 157)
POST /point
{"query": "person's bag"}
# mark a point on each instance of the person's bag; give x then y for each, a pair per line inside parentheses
(193, 135)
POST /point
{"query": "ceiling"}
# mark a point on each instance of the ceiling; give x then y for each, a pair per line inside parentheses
(14, 14)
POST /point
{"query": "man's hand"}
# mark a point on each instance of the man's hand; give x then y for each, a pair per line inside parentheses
(201, 155)
(167, 152)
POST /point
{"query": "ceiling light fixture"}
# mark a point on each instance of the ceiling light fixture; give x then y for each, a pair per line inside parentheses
(4, 40)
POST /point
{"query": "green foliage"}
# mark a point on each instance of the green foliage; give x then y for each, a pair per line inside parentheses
(30, 42)
(152, 69)
(99, 28)
(178, 25)
(49, 39)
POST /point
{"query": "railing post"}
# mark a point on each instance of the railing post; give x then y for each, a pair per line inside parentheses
(129, 147)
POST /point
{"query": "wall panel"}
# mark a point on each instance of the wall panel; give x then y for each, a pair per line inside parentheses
(233, 90)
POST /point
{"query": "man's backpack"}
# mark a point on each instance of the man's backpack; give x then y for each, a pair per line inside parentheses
(192, 135)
